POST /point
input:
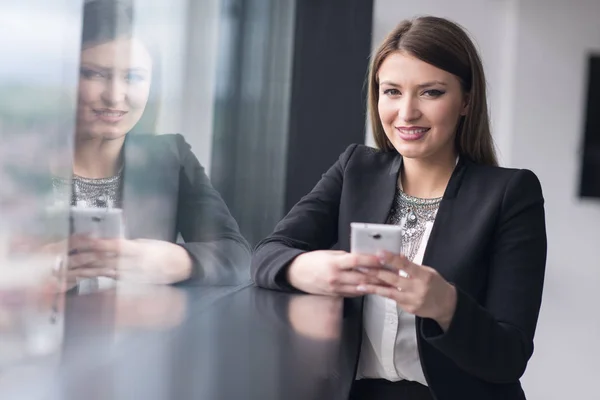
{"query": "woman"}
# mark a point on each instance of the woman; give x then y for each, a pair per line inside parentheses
(455, 319)
(157, 180)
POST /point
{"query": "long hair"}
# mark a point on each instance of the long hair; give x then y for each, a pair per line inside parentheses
(445, 45)
(108, 20)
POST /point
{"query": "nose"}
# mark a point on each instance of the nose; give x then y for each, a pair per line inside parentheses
(115, 92)
(408, 109)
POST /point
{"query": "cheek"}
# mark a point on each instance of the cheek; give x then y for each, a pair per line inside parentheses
(387, 111)
(89, 92)
(138, 96)
(445, 115)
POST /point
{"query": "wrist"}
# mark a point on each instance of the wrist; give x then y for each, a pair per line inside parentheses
(292, 271)
(184, 262)
(296, 274)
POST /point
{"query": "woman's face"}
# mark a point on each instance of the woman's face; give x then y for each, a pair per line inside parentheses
(419, 106)
(114, 85)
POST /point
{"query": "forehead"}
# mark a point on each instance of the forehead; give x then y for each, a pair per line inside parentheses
(404, 69)
(120, 53)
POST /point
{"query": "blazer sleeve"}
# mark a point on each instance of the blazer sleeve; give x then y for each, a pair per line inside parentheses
(312, 224)
(494, 341)
(220, 254)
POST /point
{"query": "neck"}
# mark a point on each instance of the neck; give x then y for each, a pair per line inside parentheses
(97, 158)
(427, 178)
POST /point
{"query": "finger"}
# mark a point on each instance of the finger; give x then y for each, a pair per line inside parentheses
(79, 243)
(349, 291)
(94, 260)
(391, 278)
(121, 247)
(391, 260)
(400, 296)
(353, 260)
(82, 260)
(399, 262)
(110, 246)
(92, 273)
(55, 247)
(357, 278)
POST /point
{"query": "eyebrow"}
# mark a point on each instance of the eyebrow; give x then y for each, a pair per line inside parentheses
(420, 86)
(103, 68)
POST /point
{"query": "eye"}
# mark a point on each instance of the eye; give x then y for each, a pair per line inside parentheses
(134, 77)
(90, 73)
(391, 92)
(433, 93)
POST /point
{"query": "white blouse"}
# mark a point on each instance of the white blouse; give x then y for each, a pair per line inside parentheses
(389, 346)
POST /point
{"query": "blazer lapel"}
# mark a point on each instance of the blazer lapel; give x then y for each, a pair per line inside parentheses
(149, 190)
(381, 183)
(132, 198)
(440, 245)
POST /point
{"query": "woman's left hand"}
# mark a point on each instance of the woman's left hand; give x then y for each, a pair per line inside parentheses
(417, 289)
(144, 260)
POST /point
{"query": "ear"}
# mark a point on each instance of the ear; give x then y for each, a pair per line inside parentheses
(465, 107)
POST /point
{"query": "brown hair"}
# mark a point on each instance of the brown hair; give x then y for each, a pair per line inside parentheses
(445, 45)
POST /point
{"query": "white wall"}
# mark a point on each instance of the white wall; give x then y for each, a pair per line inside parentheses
(534, 52)
(554, 39)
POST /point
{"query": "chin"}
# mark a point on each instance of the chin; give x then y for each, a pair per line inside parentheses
(422, 149)
(412, 150)
(108, 132)
(102, 135)
(114, 134)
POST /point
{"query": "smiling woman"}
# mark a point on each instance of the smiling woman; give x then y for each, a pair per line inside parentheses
(419, 106)
(155, 179)
(452, 314)
(113, 89)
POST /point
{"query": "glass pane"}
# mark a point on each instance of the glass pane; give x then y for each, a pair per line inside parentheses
(38, 78)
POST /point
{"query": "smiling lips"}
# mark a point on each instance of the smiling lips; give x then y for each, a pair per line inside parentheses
(411, 132)
(110, 116)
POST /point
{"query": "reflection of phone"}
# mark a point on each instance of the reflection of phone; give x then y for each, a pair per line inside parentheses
(102, 223)
(371, 238)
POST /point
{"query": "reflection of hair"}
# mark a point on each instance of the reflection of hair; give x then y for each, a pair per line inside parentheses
(108, 20)
(445, 45)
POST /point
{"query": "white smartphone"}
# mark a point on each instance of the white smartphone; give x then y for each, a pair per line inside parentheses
(101, 223)
(371, 238)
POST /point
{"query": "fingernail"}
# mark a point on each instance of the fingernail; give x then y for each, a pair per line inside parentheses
(382, 257)
(403, 273)
(363, 270)
(361, 288)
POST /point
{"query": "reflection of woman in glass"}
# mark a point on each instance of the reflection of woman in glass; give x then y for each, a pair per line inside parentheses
(156, 179)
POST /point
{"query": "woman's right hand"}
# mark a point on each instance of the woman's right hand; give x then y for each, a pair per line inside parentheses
(332, 272)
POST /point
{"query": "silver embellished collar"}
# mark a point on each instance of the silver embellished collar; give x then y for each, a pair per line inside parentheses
(89, 192)
(413, 214)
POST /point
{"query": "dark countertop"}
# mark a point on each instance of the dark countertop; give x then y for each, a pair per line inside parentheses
(201, 343)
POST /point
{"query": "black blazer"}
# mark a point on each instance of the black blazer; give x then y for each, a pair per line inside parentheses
(166, 194)
(489, 240)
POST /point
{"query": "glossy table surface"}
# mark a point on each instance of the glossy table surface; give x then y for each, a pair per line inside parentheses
(197, 343)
